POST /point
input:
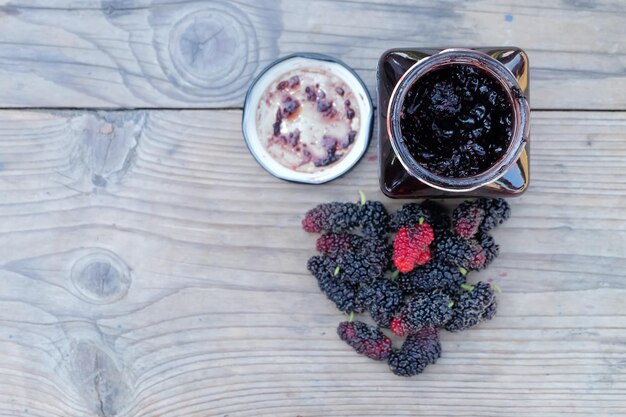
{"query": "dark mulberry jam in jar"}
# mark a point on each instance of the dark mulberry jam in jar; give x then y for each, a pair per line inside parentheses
(453, 122)
(457, 121)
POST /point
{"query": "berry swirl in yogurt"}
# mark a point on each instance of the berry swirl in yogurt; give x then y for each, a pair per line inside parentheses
(308, 119)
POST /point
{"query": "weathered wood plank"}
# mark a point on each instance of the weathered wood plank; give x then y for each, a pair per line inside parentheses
(181, 53)
(147, 268)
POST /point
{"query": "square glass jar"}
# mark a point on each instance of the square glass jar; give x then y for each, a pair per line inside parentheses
(395, 180)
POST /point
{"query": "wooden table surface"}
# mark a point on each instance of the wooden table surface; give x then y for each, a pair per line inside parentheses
(149, 267)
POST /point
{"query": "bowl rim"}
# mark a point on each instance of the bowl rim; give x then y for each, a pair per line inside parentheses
(361, 143)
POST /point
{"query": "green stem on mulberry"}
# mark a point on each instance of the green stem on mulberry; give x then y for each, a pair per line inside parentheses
(337, 270)
(463, 271)
(351, 317)
(496, 288)
(395, 274)
(362, 196)
(467, 287)
(421, 221)
(451, 304)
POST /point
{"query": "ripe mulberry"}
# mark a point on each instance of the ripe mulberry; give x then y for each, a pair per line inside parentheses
(410, 214)
(411, 246)
(365, 339)
(334, 244)
(439, 217)
(382, 299)
(332, 218)
(482, 215)
(497, 210)
(467, 219)
(366, 263)
(374, 219)
(489, 245)
(422, 310)
(436, 274)
(417, 352)
(344, 294)
(472, 307)
(459, 252)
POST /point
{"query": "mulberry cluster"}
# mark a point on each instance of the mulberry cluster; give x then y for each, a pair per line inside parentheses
(407, 270)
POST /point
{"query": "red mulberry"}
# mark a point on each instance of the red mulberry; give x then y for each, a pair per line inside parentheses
(411, 246)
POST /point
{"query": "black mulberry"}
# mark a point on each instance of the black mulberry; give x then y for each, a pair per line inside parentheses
(489, 245)
(366, 263)
(417, 352)
(497, 210)
(344, 294)
(331, 217)
(374, 219)
(408, 215)
(439, 217)
(436, 274)
(365, 339)
(334, 244)
(472, 307)
(422, 310)
(382, 299)
(467, 218)
(456, 251)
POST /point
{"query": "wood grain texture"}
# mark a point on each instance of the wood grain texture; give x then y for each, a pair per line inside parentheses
(149, 267)
(185, 53)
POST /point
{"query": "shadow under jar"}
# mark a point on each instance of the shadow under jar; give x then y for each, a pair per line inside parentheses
(453, 122)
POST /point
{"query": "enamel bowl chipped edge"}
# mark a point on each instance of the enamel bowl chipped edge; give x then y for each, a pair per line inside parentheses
(271, 74)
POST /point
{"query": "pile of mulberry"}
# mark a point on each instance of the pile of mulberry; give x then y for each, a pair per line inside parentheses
(408, 271)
